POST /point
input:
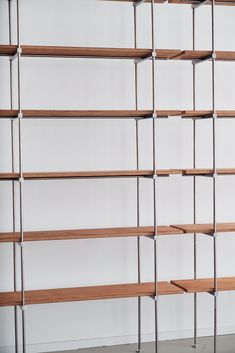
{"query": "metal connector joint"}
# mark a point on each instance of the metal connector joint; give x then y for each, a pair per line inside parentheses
(214, 56)
(21, 244)
(20, 115)
(154, 115)
(23, 307)
(19, 50)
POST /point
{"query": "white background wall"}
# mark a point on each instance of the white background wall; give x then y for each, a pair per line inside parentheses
(106, 145)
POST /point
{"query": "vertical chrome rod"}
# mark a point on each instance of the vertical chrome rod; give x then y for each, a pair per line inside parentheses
(21, 182)
(154, 173)
(139, 348)
(13, 182)
(214, 175)
(194, 188)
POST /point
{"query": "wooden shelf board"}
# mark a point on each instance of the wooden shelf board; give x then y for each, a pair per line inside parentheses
(148, 1)
(217, 2)
(113, 174)
(112, 53)
(88, 113)
(49, 235)
(206, 113)
(88, 174)
(204, 171)
(7, 113)
(61, 295)
(205, 228)
(205, 284)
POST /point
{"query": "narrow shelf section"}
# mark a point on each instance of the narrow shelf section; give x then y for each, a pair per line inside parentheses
(217, 2)
(202, 54)
(205, 284)
(125, 114)
(62, 295)
(89, 174)
(219, 171)
(192, 114)
(205, 228)
(88, 233)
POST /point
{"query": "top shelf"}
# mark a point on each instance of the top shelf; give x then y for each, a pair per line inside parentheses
(113, 53)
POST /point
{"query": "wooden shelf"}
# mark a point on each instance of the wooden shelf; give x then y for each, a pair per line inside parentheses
(205, 284)
(62, 295)
(125, 114)
(202, 54)
(205, 228)
(114, 174)
(121, 232)
(87, 52)
(87, 113)
(113, 53)
(217, 2)
(206, 113)
(88, 174)
(88, 233)
(220, 171)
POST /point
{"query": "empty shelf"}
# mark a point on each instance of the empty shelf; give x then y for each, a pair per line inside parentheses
(113, 53)
(99, 114)
(89, 174)
(220, 171)
(206, 228)
(88, 233)
(88, 293)
(202, 54)
(87, 52)
(88, 113)
(205, 284)
(217, 2)
(205, 113)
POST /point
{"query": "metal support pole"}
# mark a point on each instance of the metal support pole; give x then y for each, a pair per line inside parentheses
(194, 189)
(154, 174)
(214, 174)
(13, 183)
(21, 180)
(139, 348)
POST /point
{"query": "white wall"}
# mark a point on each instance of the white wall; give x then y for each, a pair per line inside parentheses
(92, 145)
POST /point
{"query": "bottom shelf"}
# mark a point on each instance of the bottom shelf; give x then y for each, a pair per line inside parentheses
(61, 295)
(205, 284)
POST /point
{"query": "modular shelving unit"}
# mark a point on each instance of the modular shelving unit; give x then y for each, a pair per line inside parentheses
(22, 297)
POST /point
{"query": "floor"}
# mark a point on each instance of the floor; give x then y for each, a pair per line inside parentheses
(226, 344)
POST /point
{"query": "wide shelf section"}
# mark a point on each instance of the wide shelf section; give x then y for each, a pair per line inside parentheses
(62, 295)
(205, 284)
(88, 174)
(115, 114)
(113, 53)
(121, 232)
(88, 113)
(88, 233)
